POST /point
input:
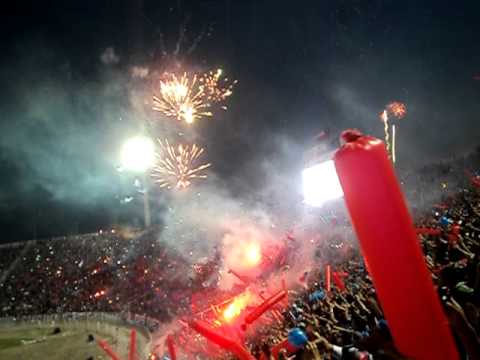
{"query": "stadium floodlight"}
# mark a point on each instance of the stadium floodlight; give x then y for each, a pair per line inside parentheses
(321, 184)
(138, 154)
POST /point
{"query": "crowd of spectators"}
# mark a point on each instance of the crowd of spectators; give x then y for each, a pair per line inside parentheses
(348, 323)
(123, 272)
(101, 272)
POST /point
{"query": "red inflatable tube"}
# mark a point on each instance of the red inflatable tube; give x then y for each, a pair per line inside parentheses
(391, 248)
(265, 306)
(132, 353)
(108, 350)
(222, 341)
(238, 276)
(337, 279)
(171, 348)
(328, 278)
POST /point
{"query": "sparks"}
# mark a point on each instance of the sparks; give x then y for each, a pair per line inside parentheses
(397, 109)
(181, 98)
(235, 308)
(215, 88)
(384, 117)
(190, 97)
(253, 254)
(394, 151)
(177, 167)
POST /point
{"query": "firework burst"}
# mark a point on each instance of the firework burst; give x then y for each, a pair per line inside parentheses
(181, 98)
(216, 89)
(178, 166)
(190, 97)
(397, 109)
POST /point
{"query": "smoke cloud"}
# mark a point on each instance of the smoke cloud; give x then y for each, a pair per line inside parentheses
(109, 57)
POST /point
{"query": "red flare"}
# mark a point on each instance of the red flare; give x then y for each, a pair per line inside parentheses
(222, 341)
(236, 306)
(265, 306)
(108, 350)
(171, 348)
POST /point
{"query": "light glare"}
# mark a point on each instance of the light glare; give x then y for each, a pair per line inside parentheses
(138, 154)
(321, 184)
(253, 254)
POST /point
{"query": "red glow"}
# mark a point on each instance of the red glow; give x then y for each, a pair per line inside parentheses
(244, 247)
(253, 254)
(235, 308)
(99, 293)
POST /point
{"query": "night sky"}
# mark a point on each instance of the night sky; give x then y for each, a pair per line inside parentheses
(302, 67)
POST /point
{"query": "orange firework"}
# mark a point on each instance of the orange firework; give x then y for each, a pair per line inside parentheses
(216, 89)
(190, 97)
(177, 167)
(397, 109)
(181, 98)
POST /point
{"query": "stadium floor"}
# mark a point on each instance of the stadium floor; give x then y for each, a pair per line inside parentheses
(39, 343)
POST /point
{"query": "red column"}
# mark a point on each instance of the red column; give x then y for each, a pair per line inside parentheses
(108, 350)
(265, 306)
(171, 348)
(221, 340)
(132, 354)
(338, 280)
(391, 248)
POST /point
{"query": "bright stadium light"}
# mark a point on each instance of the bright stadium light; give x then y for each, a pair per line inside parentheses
(321, 184)
(138, 154)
